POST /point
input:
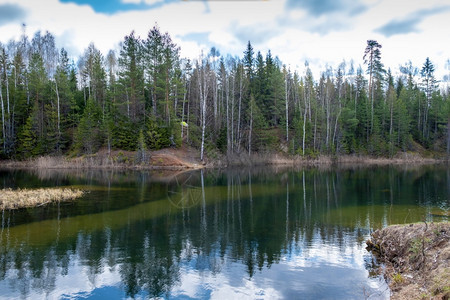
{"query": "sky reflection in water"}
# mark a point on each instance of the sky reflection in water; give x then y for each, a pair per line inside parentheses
(266, 235)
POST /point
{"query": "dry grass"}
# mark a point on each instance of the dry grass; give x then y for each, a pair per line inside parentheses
(400, 158)
(21, 198)
(188, 158)
(416, 258)
(283, 159)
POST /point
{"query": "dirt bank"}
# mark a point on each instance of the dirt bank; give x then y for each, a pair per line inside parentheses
(186, 157)
(416, 259)
(165, 159)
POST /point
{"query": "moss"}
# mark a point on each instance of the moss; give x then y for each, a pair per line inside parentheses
(397, 278)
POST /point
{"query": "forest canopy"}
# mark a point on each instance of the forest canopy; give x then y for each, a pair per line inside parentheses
(146, 96)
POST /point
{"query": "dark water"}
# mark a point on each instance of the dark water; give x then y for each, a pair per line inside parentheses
(261, 234)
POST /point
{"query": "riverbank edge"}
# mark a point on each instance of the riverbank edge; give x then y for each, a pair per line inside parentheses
(175, 160)
(415, 258)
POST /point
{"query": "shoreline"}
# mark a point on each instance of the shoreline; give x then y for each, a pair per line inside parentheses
(415, 259)
(185, 160)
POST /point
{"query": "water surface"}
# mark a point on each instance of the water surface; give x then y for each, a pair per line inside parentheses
(256, 234)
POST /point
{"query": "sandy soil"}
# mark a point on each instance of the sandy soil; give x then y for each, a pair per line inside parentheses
(184, 157)
(416, 259)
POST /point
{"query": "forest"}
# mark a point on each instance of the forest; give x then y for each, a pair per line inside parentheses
(146, 97)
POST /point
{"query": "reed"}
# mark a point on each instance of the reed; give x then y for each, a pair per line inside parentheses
(21, 198)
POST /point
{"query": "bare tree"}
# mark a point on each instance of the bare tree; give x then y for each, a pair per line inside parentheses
(204, 78)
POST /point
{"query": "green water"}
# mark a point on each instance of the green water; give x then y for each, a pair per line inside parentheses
(247, 234)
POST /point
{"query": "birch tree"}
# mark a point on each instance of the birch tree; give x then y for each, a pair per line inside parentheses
(203, 77)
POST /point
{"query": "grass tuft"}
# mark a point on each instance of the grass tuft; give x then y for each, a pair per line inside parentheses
(21, 198)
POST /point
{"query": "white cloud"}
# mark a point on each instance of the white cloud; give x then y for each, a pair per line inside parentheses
(131, 1)
(152, 2)
(292, 35)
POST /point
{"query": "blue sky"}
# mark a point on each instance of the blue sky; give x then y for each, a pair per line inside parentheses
(112, 7)
(323, 32)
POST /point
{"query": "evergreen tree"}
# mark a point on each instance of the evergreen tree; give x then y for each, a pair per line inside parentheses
(89, 135)
(428, 85)
(140, 99)
(131, 78)
(27, 140)
(402, 121)
(372, 57)
(142, 156)
(37, 89)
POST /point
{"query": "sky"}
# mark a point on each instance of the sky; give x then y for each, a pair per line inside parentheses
(322, 32)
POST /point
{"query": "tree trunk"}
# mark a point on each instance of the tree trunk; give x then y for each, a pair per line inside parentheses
(306, 96)
(232, 117)
(315, 130)
(448, 138)
(3, 117)
(336, 124)
(227, 91)
(58, 109)
(182, 112)
(175, 101)
(287, 107)
(187, 129)
(251, 127)
(328, 118)
(203, 89)
(167, 98)
(215, 101)
(128, 104)
(239, 112)
(371, 90)
(391, 124)
(335, 129)
(154, 94)
(304, 131)
(203, 127)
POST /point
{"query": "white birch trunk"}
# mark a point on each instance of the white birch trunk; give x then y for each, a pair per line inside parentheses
(251, 127)
(3, 117)
(182, 113)
(328, 117)
(304, 132)
(304, 119)
(203, 127)
(203, 89)
(228, 118)
(287, 106)
(232, 117)
(448, 138)
(239, 113)
(58, 109)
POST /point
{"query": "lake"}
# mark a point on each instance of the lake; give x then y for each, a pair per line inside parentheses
(247, 234)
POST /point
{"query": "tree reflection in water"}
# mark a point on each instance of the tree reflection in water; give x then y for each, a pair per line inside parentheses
(263, 226)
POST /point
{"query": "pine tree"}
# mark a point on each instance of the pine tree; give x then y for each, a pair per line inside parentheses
(142, 156)
(27, 140)
(372, 57)
(429, 85)
(402, 120)
(37, 85)
(89, 136)
(131, 78)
